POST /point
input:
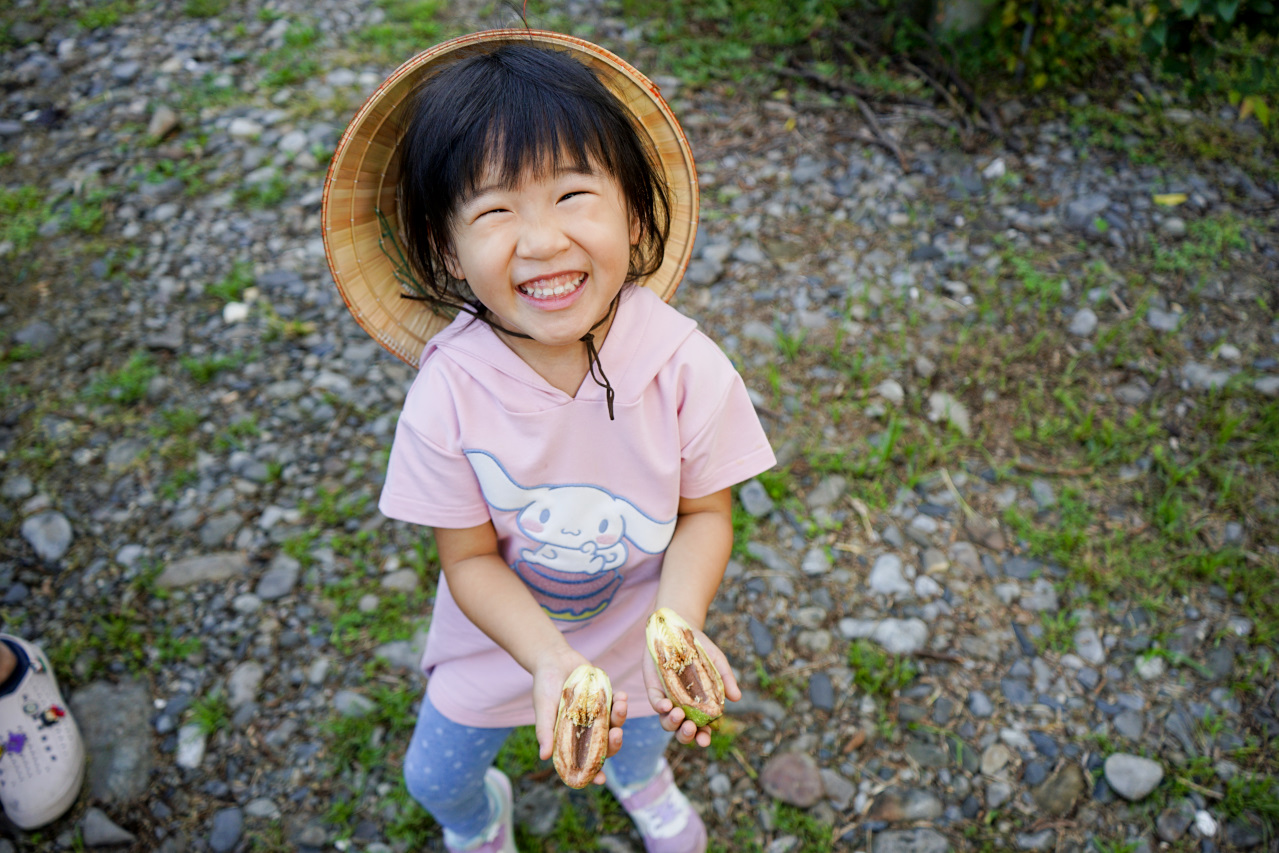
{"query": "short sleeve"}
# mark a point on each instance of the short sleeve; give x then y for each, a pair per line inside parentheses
(723, 442)
(428, 479)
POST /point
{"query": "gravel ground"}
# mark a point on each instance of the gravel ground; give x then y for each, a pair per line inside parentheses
(194, 431)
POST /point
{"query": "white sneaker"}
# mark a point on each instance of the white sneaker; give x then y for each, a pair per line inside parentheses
(41, 753)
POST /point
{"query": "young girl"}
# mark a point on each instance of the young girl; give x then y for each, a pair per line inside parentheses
(571, 438)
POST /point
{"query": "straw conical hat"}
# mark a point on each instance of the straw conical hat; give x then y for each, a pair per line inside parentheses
(364, 171)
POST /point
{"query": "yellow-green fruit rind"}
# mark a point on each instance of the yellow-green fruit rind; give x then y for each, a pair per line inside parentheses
(699, 719)
(670, 638)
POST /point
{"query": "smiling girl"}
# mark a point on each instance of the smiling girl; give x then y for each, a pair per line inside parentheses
(537, 180)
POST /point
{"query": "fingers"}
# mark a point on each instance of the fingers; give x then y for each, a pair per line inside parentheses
(618, 717)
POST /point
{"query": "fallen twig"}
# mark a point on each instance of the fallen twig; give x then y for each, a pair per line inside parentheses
(878, 136)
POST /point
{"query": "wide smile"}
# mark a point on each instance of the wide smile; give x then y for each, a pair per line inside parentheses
(553, 287)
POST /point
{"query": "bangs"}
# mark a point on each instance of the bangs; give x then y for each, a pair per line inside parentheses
(524, 135)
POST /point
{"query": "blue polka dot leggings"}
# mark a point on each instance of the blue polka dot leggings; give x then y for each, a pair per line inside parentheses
(445, 765)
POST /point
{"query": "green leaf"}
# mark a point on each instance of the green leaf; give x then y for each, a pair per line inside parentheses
(1190, 8)
(1158, 32)
(1226, 9)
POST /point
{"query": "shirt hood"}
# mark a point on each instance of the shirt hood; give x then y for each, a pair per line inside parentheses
(643, 337)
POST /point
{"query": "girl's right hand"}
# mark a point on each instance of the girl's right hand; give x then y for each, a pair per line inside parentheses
(548, 683)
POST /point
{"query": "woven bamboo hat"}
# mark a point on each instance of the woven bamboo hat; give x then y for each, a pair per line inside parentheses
(360, 214)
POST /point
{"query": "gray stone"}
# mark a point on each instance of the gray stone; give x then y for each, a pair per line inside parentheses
(1043, 597)
(1205, 378)
(998, 793)
(219, 566)
(886, 576)
(1174, 227)
(117, 740)
(163, 122)
(48, 534)
(821, 692)
(792, 777)
(829, 490)
(192, 741)
(816, 562)
(838, 790)
(228, 825)
(761, 637)
(1021, 568)
(1059, 793)
(220, 529)
(17, 487)
(979, 704)
(403, 654)
(1042, 493)
(769, 556)
(1017, 691)
(1131, 776)
(1083, 324)
(755, 499)
(1045, 839)
(1162, 321)
(1131, 724)
(944, 407)
(99, 830)
(38, 335)
(348, 703)
(1080, 212)
(898, 636)
(244, 683)
(1089, 647)
(278, 580)
(926, 754)
(1173, 821)
(910, 841)
(896, 804)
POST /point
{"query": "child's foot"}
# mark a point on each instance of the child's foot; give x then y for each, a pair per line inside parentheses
(500, 837)
(41, 754)
(667, 821)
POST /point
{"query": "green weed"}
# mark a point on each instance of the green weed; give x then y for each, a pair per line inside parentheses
(108, 14)
(231, 287)
(211, 712)
(128, 385)
(264, 194)
(1059, 631)
(204, 8)
(409, 26)
(876, 672)
(203, 370)
(519, 756)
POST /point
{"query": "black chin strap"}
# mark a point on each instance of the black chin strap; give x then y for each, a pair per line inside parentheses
(592, 354)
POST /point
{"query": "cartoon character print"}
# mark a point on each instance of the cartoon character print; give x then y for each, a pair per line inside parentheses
(582, 531)
(50, 716)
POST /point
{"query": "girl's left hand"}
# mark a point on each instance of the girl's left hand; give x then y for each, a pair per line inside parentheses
(673, 719)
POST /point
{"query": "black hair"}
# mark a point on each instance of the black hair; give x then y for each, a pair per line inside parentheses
(517, 110)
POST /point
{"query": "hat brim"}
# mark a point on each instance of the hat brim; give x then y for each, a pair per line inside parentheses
(364, 171)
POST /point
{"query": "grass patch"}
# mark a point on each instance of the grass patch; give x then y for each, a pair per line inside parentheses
(409, 27)
(231, 287)
(263, 194)
(211, 712)
(128, 385)
(877, 672)
(204, 370)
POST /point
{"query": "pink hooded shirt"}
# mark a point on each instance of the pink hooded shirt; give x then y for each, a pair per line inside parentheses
(584, 507)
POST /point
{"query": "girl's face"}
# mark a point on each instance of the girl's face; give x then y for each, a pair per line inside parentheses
(546, 257)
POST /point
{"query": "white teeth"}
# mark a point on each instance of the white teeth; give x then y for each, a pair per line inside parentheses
(561, 286)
